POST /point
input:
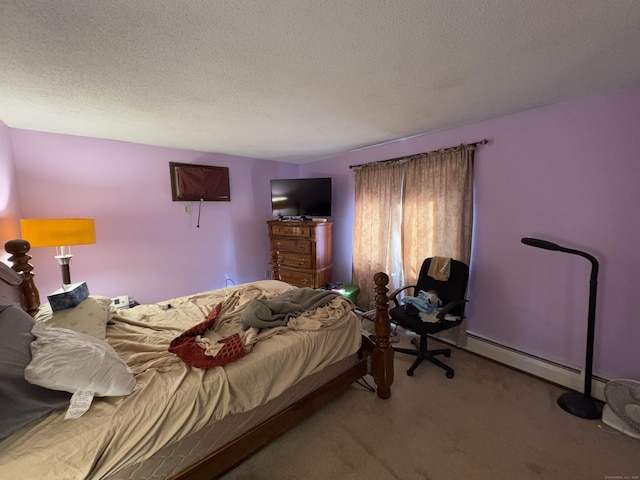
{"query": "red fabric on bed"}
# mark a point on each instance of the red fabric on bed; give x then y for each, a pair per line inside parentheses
(186, 348)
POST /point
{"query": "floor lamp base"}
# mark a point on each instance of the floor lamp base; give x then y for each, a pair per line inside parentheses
(580, 405)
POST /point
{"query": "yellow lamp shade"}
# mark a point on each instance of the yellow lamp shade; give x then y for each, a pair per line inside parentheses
(56, 232)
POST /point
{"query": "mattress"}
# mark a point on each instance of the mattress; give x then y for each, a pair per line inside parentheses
(174, 458)
(173, 401)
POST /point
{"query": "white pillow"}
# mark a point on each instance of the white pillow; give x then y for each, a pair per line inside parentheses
(71, 361)
(89, 317)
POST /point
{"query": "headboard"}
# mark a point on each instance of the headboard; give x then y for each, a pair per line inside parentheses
(16, 283)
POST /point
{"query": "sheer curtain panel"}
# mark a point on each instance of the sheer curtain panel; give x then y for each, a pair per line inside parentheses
(410, 209)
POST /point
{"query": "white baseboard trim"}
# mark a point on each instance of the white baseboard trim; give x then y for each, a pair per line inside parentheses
(553, 372)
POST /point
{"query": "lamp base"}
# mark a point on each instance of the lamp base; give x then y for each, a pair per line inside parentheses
(580, 405)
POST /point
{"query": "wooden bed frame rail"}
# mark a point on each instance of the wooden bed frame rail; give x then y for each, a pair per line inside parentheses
(376, 359)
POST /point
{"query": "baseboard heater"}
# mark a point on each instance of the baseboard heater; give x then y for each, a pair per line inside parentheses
(553, 372)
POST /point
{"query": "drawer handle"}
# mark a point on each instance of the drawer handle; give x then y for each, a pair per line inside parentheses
(304, 280)
(301, 261)
(278, 244)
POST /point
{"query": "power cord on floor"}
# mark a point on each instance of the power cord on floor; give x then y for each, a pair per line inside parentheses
(363, 383)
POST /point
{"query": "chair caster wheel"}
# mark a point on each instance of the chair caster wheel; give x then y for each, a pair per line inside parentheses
(449, 374)
(410, 372)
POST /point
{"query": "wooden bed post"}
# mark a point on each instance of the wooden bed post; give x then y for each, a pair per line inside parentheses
(275, 264)
(382, 352)
(29, 296)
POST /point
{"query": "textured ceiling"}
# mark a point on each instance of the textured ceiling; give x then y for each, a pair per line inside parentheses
(297, 80)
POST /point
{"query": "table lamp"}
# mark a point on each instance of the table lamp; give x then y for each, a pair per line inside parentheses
(60, 233)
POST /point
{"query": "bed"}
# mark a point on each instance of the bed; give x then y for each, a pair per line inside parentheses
(180, 421)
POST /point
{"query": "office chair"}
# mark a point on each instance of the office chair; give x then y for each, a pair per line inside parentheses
(450, 291)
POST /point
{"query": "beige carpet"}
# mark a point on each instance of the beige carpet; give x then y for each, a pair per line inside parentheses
(488, 422)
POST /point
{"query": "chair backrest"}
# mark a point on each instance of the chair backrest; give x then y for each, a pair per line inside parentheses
(449, 290)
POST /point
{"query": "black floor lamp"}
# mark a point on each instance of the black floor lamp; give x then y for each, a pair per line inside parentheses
(580, 404)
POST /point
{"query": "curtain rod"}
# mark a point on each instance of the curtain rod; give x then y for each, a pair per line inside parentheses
(484, 141)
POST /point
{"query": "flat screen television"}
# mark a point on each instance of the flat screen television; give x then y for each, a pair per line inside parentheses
(301, 197)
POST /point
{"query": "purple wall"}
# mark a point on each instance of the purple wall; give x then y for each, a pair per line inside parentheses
(9, 198)
(567, 173)
(147, 247)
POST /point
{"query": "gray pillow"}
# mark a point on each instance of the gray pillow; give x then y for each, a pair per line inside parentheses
(21, 403)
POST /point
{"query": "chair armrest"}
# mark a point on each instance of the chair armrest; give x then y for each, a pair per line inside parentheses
(394, 295)
(448, 307)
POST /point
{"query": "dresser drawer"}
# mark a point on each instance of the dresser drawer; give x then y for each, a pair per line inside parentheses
(291, 245)
(291, 231)
(297, 278)
(295, 260)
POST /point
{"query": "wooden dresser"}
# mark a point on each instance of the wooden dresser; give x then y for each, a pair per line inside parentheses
(301, 252)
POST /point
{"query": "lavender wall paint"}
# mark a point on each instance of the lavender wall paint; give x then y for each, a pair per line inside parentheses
(9, 198)
(147, 247)
(567, 173)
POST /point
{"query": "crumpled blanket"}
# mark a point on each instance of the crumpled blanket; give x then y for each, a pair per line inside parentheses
(277, 311)
(190, 351)
(235, 325)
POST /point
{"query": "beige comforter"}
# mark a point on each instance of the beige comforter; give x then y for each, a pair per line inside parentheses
(174, 398)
